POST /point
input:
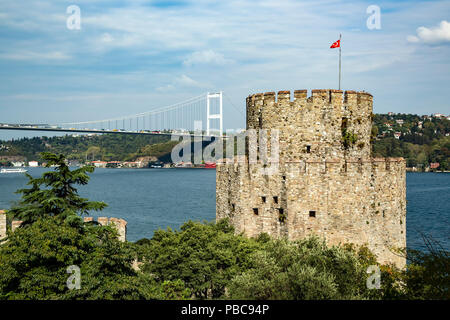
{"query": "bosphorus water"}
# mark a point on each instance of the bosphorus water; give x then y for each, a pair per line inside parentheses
(159, 198)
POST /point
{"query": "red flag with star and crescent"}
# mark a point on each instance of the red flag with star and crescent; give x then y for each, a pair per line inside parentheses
(336, 44)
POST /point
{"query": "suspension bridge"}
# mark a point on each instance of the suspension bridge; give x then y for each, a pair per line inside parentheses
(184, 118)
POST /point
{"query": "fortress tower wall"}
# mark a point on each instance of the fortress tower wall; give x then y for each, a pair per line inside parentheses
(337, 193)
(311, 128)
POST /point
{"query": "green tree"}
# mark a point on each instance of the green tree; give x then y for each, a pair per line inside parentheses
(428, 272)
(35, 257)
(92, 151)
(54, 193)
(306, 269)
(34, 263)
(204, 256)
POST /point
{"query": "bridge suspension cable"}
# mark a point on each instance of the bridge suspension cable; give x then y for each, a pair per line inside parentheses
(206, 109)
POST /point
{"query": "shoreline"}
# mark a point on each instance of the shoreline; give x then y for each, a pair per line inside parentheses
(28, 167)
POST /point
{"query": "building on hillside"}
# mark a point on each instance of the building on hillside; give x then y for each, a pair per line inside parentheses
(99, 164)
(132, 164)
(434, 165)
(33, 164)
(114, 164)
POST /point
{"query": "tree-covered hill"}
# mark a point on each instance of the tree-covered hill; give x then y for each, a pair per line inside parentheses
(99, 147)
(421, 140)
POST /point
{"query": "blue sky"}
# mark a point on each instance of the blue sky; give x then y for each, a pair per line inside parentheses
(133, 56)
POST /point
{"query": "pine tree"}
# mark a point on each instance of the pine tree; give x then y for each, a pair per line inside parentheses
(54, 194)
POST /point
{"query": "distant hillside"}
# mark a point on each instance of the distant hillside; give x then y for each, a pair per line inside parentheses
(421, 140)
(105, 147)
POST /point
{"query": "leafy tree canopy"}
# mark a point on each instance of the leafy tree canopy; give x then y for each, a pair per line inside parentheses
(204, 256)
(54, 194)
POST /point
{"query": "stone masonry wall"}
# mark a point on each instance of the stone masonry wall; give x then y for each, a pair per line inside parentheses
(337, 193)
(119, 224)
(2, 224)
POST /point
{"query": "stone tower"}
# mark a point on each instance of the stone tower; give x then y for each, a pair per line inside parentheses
(326, 183)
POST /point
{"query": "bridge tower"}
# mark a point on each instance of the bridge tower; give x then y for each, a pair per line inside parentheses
(210, 116)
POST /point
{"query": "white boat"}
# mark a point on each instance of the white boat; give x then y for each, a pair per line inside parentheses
(16, 170)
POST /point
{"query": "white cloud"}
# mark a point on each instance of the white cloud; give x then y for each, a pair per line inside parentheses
(436, 35)
(182, 81)
(412, 39)
(107, 38)
(205, 57)
(35, 56)
(165, 88)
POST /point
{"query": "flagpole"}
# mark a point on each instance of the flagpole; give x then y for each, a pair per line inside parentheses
(340, 45)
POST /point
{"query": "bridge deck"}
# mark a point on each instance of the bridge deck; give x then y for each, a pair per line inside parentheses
(11, 127)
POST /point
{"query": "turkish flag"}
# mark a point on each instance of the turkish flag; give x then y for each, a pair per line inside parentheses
(337, 44)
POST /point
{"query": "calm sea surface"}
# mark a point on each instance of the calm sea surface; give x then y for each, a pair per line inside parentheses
(159, 198)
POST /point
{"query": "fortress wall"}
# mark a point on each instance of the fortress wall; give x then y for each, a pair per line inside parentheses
(316, 121)
(120, 224)
(121, 227)
(353, 201)
(388, 207)
(358, 111)
(2, 224)
(15, 224)
(322, 186)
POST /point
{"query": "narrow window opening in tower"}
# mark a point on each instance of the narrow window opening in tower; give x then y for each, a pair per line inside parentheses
(308, 149)
(275, 199)
(281, 216)
(344, 124)
(255, 211)
(263, 199)
(233, 206)
(284, 178)
(312, 214)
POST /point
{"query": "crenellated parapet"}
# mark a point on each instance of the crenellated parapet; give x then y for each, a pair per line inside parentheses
(4, 224)
(329, 123)
(119, 224)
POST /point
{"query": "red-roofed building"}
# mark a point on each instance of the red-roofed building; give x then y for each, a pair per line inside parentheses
(99, 164)
(434, 165)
